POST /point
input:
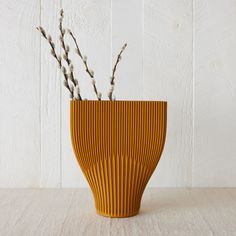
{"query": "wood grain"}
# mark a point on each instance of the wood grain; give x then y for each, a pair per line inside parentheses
(19, 94)
(167, 75)
(50, 99)
(215, 93)
(128, 28)
(163, 212)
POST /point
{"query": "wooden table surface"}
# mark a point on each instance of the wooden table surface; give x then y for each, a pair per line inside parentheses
(164, 211)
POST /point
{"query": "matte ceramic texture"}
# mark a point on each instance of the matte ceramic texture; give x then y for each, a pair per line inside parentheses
(118, 145)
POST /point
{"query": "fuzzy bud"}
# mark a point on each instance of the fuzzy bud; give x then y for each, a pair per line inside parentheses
(53, 53)
(124, 46)
(40, 28)
(67, 48)
(85, 58)
(76, 81)
(76, 97)
(77, 51)
(42, 31)
(72, 88)
(77, 89)
(63, 69)
(91, 72)
(112, 80)
(49, 38)
(71, 68)
(61, 13)
(65, 83)
(99, 96)
(65, 56)
(112, 88)
(68, 31)
(93, 81)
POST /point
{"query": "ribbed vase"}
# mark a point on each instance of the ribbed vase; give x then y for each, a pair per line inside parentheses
(118, 145)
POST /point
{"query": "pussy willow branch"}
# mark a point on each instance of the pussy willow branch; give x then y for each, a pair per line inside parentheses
(66, 83)
(84, 60)
(66, 50)
(57, 57)
(112, 83)
(62, 34)
(52, 45)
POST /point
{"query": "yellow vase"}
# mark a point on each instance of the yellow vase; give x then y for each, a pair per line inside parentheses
(118, 145)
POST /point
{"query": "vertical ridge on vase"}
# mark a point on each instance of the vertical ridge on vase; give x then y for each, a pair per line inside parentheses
(118, 145)
(109, 205)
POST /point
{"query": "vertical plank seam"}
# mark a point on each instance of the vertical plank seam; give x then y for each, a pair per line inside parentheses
(142, 59)
(60, 98)
(40, 97)
(193, 90)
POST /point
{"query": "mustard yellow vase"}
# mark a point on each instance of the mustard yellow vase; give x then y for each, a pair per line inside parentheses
(118, 145)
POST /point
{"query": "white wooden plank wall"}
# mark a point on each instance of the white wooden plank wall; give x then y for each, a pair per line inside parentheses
(215, 93)
(127, 27)
(50, 100)
(19, 94)
(167, 56)
(180, 51)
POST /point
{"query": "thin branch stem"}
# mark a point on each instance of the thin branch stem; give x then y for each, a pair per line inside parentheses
(112, 83)
(57, 57)
(66, 50)
(66, 84)
(84, 60)
(68, 70)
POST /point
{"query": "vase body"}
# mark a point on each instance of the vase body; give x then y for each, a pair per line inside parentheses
(118, 145)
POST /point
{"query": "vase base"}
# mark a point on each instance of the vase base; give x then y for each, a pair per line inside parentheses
(117, 215)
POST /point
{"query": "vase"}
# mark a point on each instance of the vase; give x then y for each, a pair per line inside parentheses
(118, 145)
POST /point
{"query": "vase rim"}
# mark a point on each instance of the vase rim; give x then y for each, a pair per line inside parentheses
(118, 101)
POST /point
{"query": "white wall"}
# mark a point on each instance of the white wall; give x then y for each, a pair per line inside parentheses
(181, 51)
